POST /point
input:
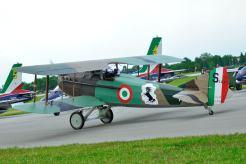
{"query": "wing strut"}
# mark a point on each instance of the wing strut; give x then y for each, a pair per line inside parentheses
(35, 88)
(62, 87)
(159, 72)
(73, 84)
(138, 70)
(148, 72)
(47, 89)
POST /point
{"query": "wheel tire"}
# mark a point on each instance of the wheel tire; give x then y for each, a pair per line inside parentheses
(238, 86)
(77, 120)
(109, 117)
(57, 114)
(211, 112)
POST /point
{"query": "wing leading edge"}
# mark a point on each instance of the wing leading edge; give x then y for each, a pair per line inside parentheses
(91, 65)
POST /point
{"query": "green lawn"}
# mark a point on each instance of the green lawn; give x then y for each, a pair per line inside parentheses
(205, 149)
(181, 81)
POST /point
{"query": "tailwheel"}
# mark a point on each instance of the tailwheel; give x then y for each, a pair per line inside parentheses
(211, 112)
(77, 120)
(107, 116)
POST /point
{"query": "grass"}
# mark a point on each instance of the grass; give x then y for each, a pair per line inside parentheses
(181, 81)
(204, 149)
(244, 86)
(12, 112)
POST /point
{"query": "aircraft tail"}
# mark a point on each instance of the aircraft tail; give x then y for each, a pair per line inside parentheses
(207, 89)
(155, 47)
(14, 80)
(218, 86)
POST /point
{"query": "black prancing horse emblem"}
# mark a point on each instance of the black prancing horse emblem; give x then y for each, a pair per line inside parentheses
(151, 99)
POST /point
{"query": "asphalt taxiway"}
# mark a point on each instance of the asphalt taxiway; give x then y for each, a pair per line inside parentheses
(129, 124)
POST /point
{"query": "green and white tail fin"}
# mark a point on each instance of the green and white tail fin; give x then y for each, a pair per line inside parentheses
(155, 47)
(207, 89)
(13, 81)
(218, 86)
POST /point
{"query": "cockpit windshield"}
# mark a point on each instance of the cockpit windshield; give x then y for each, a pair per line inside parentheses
(110, 73)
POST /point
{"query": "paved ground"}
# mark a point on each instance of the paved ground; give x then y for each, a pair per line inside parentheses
(129, 124)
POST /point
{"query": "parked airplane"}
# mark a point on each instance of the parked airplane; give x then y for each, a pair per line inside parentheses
(12, 91)
(92, 88)
(55, 94)
(155, 49)
(237, 77)
(241, 76)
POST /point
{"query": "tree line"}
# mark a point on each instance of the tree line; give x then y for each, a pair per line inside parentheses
(209, 61)
(41, 84)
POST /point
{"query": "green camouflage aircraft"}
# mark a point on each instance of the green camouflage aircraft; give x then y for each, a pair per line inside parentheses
(91, 87)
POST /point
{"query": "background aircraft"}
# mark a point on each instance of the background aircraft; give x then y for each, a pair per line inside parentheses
(92, 89)
(12, 91)
(241, 76)
(237, 77)
(54, 94)
(155, 49)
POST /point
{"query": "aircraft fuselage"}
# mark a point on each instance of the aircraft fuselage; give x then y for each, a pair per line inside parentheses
(123, 90)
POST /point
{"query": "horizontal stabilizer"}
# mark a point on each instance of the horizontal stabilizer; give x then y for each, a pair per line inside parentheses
(192, 97)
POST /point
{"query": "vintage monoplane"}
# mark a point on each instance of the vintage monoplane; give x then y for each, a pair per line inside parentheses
(92, 87)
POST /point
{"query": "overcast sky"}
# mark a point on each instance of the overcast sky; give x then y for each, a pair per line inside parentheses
(37, 32)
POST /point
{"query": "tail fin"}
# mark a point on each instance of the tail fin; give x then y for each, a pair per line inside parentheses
(14, 80)
(208, 89)
(155, 47)
(218, 86)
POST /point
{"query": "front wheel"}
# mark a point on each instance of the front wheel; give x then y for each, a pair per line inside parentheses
(108, 116)
(77, 120)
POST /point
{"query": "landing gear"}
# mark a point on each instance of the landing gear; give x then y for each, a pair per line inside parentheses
(106, 115)
(77, 120)
(210, 111)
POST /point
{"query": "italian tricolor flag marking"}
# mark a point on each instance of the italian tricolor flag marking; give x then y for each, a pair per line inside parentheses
(218, 86)
(124, 94)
